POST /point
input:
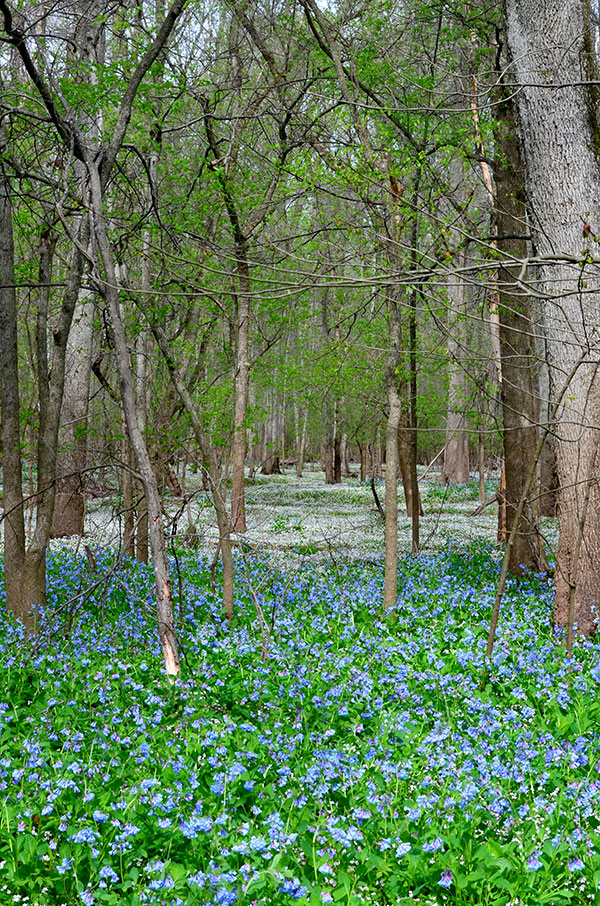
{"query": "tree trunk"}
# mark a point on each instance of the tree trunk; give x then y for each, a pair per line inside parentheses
(518, 390)
(69, 504)
(300, 440)
(548, 479)
(87, 57)
(329, 444)
(212, 470)
(127, 495)
(241, 389)
(363, 450)
(337, 457)
(270, 459)
(390, 589)
(456, 467)
(481, 467)
(345, 457)
(405, 463)
(551, 44)
(17, 601)
(166, 626)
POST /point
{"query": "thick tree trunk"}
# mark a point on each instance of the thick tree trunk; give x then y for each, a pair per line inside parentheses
(88, 54)
(517, 347)
(14, 524)
(552, 56)
(25, 574)
(69, 504)
(337, 458)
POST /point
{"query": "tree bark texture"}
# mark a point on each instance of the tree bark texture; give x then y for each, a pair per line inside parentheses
(551, 51)
(517, 348)
(13, 516)
(69, 504)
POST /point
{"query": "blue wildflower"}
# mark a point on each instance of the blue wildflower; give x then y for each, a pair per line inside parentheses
(446, 879)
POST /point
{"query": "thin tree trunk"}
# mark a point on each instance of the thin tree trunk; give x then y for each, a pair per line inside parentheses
(390, 588)
(212, 470)
(456, 453)
(481, 466)
(363, 450)
(241, 389)
(166, 626)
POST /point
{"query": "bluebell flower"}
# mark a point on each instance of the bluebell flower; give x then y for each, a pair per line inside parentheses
(446, 879)
(534, 863)
(433, 845)
(161, 883)
(225, 897)
(107, 874)
(196, 825)
(85, 835)
(294, 888)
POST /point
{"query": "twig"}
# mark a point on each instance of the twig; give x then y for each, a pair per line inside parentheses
(377, 500)
(483, 506)
(435, 459)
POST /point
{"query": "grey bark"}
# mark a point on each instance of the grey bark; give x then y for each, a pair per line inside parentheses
(552, 58)
(517, 349)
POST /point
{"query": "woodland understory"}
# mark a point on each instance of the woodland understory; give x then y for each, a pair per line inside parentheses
(314, 749)
(300, 413)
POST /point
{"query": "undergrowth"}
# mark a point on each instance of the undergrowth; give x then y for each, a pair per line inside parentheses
(335, 757)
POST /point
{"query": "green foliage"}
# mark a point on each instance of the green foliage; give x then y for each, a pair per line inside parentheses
(358, 761)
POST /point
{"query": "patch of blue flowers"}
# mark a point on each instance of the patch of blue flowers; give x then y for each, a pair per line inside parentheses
(337, 756)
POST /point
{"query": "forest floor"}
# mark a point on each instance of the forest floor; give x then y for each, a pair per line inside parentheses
(315, 750)
(305, 518)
